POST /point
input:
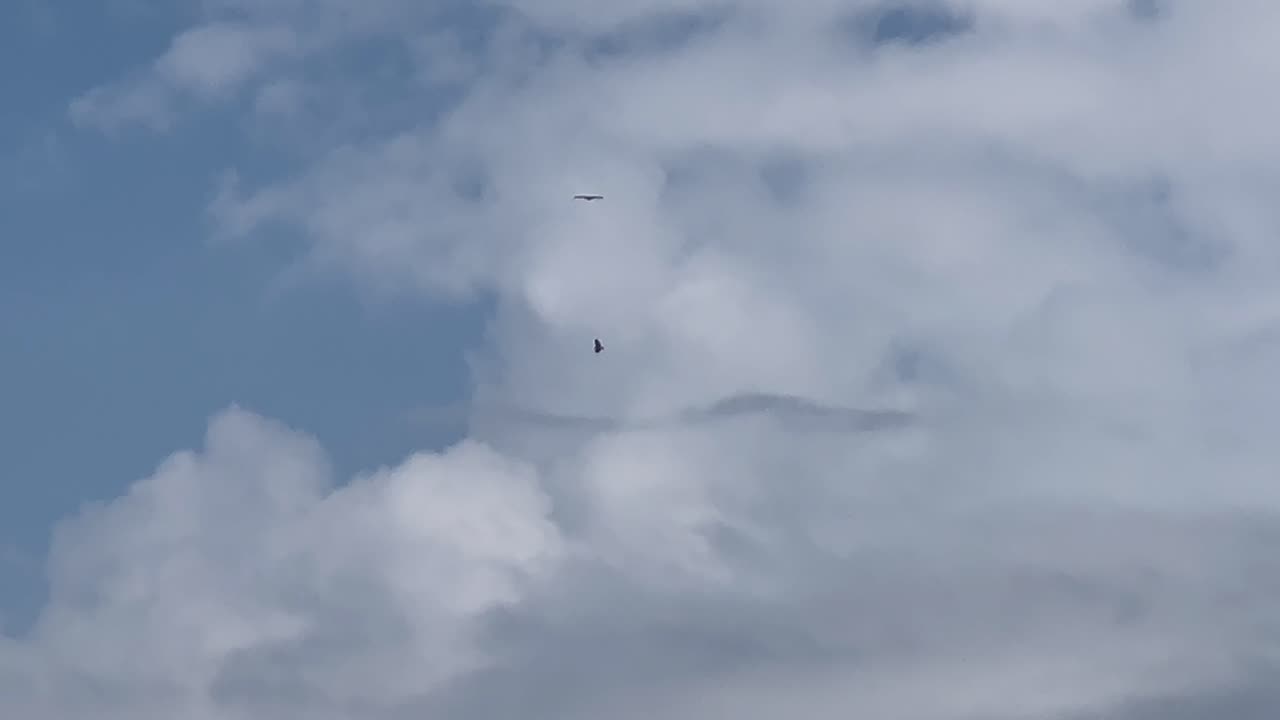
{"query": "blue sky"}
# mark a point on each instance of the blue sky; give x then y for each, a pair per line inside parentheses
(125, 328)
(252, 250)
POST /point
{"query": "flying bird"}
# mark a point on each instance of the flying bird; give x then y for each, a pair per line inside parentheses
(599, 347)
(588, 197)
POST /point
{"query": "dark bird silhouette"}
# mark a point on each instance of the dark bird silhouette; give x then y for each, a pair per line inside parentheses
(588, 197)
(599, 347)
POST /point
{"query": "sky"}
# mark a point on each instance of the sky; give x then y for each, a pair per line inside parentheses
(937, 383)
(125, 328)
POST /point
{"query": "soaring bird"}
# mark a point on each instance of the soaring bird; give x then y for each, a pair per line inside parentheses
(599, 347)
(588, 197)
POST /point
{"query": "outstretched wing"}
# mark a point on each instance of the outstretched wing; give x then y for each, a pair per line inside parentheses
(588, 197)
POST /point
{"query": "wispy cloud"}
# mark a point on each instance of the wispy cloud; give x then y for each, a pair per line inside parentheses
(794, 412)
(208, 63)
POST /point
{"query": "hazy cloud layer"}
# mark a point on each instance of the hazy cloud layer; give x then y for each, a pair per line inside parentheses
(1043, 231)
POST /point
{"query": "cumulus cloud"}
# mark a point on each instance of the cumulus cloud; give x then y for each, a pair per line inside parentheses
(1042, 231)
(241, 573)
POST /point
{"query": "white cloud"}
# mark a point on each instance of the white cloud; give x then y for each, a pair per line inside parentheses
(209, 63)
(1050, 235)
(216, 58)
(244, 556)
